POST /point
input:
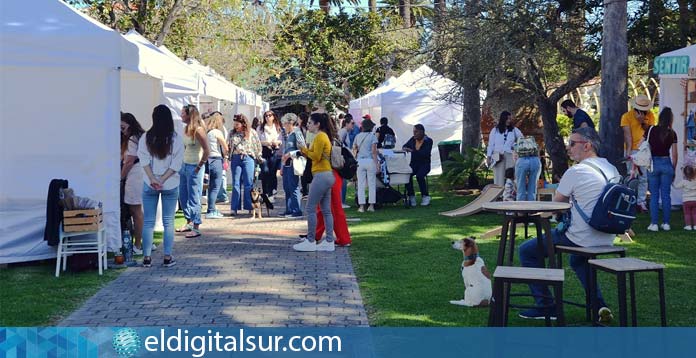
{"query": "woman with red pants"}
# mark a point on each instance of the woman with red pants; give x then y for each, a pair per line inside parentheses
(339, 216)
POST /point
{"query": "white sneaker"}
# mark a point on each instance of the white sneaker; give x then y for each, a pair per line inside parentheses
(324, 245)
(371, 208)
(271, 199)
(346, 206)
(425, 201)
(305, 246)
(361, 209)
(666, 227)
(137, 251)
(412, 200)
(154, 247)
(688, 228)
(653, 227)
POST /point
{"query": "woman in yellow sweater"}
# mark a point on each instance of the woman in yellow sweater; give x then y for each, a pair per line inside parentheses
(320, 188)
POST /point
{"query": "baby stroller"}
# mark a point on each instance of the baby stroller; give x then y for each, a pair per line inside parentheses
(394, 171)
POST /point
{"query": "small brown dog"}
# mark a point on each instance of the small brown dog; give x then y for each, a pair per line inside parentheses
(477, 280)
(256, 203)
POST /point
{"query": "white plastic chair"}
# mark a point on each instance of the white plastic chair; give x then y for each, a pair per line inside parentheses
(77, 243)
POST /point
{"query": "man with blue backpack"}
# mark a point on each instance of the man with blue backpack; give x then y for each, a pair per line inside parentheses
(591, 185)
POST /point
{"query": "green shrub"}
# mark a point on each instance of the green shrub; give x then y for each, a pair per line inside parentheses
(463, 170)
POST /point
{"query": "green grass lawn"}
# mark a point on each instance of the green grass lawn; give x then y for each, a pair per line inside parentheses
(408, 273)
(32, 296)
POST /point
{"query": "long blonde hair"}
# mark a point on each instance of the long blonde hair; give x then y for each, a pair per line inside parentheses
(195, 120)
(216, 121)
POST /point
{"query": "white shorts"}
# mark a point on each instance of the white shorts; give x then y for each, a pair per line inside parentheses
(134, 186)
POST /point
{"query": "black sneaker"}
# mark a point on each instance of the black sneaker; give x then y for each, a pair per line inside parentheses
(169, 262)
(147, 262)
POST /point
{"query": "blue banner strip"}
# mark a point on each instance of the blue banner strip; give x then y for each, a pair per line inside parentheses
(347, 342)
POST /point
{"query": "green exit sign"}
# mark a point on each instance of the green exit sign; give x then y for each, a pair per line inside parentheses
(671, 65)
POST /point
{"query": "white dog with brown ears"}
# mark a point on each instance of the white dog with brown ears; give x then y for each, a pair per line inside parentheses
(477, 280)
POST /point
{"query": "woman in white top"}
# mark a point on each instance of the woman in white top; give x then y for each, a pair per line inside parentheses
(365, 148)
(161, 154)
(500, 147)
(271, 136)
(132, 175)
(218, 151)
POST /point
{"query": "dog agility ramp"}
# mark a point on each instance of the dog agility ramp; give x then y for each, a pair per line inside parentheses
(490, 193)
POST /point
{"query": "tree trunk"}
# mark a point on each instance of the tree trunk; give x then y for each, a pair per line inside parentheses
(440, 7)
(685, 32)
(167, 25)
(373, 6)
(325, 6)
(405, 12)
(553, 142)
(471, 116)
(613, 93)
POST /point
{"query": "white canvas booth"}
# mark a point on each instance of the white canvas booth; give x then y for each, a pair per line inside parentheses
(217, 94)
(60, 72)
(413, 98)
(672, 94)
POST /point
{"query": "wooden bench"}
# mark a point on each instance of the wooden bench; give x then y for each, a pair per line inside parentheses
(589, 253)
(620, 267)
(505, 276)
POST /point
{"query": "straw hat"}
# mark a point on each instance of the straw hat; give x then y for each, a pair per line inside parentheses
(641, 103)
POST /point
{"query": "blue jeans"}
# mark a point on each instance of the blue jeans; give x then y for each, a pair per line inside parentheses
(529, 257)
(215, 174)
(242, 170)
(420, 170)
(150, 199)
(527, 170)
(190, 190)
(222, 194)
(291, 186)
(660, 184)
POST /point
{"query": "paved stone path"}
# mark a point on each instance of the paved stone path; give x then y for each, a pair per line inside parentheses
(239, 272)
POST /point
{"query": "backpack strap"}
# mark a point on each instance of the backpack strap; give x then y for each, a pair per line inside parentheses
(575, 202)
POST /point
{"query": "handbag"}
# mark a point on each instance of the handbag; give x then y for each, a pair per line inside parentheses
(299, 164)
(643, 158)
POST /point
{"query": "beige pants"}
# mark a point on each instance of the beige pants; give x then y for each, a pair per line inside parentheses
(500, 167)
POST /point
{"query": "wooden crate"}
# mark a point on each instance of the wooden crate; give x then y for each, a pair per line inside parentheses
(82, 220)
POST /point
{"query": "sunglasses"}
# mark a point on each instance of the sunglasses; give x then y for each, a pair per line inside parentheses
(574, 142)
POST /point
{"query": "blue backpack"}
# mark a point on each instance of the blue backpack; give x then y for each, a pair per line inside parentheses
(615, 209)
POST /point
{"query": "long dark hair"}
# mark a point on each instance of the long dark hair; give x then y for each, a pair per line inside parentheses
(502, 126)
(324, 125)
(276, 122)
(134, 129)
(245, 124)
(664, 122)
(159, 138)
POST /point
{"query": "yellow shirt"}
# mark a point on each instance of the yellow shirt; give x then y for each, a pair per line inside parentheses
(318, 152)
(629, 120)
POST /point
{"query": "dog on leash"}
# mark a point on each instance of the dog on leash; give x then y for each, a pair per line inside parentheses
(477, 280)
(256, 202)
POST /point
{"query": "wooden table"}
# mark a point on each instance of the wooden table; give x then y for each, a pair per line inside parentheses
(525, 211)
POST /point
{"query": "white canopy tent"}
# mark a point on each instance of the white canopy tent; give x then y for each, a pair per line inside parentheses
(61, 71)
(412, 98)
(673, 94)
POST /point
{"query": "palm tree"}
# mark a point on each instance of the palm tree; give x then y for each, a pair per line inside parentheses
(325, 5)
(419, 10)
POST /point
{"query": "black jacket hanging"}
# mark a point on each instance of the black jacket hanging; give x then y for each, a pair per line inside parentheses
(54, 213)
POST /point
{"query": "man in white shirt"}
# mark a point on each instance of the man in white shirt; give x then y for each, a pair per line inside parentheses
(584, 183)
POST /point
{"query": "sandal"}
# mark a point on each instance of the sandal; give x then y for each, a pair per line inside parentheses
(193, 233)
(185, 228)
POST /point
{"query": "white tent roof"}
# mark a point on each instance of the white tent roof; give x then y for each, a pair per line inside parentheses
(60, 69)
(412, 98)
(689, 51)
(214, 85)
(177, 76)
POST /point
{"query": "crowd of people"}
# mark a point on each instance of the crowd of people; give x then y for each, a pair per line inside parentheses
(161, 164)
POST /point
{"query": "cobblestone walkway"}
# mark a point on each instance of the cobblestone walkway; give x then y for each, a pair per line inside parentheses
(239, 272)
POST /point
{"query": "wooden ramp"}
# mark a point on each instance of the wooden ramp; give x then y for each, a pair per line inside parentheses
(491, 193)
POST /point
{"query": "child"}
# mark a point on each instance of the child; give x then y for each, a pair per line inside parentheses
(509, 191)
(689, 196)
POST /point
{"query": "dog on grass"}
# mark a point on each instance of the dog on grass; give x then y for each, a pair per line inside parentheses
(477, 280)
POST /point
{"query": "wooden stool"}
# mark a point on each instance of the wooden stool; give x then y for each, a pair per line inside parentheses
(590, 253)
(505, 276)
(620, 267)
